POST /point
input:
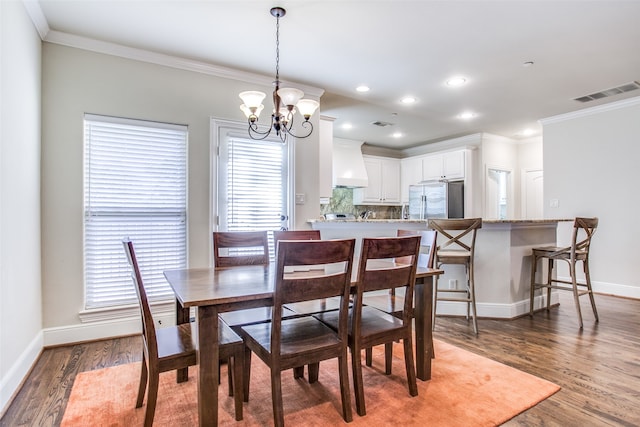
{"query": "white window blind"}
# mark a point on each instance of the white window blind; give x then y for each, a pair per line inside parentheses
(134, 186)
(254, 185)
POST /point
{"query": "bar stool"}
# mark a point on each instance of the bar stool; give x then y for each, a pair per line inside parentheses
(458, 248)
(583, 229)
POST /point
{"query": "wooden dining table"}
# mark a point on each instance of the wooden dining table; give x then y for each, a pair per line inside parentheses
(212, 291)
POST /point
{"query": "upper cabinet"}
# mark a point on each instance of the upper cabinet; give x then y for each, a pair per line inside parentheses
(325, 158)
(384, 182)
(448, 165)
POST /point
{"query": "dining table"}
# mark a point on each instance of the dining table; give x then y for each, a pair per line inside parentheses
(216, 290)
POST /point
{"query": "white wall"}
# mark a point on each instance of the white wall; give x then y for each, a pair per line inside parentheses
(591, 167)
(20, 281)
(77, 81)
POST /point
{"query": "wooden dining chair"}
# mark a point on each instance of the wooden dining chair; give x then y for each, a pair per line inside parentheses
(233, 248)
(370, 327)
(457, 247)
(583, 230)
(173, 347)
(289, 343)
(392, 303)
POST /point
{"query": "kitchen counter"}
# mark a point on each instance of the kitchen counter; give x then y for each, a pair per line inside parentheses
(502, 263)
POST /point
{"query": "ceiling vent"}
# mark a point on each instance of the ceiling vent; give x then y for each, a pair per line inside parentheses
(381, 123)
(627, 87)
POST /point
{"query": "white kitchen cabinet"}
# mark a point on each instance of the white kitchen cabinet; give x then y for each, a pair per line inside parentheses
(384, 182)
(325, 158)
(449, 165)
(410, 174)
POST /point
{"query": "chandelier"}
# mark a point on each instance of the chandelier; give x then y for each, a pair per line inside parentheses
(285, 102)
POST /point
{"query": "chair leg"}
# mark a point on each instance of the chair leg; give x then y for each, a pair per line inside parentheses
(549, 280)
(532, 290)
(368, 356)
(143, 382)
(434, 303)
(152, 397)
(314, 370)
(276, 396)
(587, 277)
(246, 378)
(298, 372)
(388, 357)
(576, 297)
(343, 371)
(410, 366)
(472, 290)
(236, 365)
(358, 386)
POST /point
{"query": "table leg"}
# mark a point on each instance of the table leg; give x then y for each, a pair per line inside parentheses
(423, 324)
(182, 316)
(208, 351)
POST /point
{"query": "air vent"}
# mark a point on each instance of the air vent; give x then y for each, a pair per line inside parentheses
(382, 124)
(627, 87)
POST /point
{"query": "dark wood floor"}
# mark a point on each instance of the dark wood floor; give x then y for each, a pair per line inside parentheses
(598, 368)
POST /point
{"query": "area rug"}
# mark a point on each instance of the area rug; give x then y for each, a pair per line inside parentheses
(465, 390)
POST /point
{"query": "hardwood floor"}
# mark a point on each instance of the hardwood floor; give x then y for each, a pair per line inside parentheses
(598, 368)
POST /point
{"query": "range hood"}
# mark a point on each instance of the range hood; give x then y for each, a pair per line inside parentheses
(348, 164)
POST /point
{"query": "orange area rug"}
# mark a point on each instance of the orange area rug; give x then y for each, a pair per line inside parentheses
(465, 390)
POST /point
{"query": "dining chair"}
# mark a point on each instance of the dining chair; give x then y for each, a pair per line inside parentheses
(583, 230)
(457, 247)
(289, 343)
(173, 347)
(369, 326)
(392, 303)
(242, 248)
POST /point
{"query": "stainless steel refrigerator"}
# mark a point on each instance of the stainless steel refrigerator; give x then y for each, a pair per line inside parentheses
(436, 199)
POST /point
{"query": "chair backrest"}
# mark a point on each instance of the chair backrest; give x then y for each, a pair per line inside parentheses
(336, 257)
(295, 235)
(427, 245)
(583, 230)
(148, 328)
(455, 231)
(376, 272)
(234, 248)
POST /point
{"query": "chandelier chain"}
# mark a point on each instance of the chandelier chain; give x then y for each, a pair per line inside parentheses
(277, 49)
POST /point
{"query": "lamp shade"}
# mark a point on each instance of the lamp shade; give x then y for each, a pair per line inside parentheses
(289, 95)
(247, 111)
(307, 107)
(252, 98)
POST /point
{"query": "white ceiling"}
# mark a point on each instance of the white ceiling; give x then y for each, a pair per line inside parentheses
(397, 48)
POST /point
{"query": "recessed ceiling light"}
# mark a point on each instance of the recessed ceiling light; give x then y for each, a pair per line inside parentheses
(527, 64)
(363, 88)
(456, 81)
(346, 126)
(527, 132)
(467, 115)
(397, 135)
(408, 100)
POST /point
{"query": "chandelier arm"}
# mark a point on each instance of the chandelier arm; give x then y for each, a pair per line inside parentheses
(305, 124)
(255, 133)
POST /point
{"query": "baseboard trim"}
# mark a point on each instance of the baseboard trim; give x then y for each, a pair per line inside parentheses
(496, 311)
(16, 375)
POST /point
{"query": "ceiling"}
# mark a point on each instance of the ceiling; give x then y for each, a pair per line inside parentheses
(396, 48)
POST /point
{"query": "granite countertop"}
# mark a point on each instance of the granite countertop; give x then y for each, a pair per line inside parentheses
(417, 221)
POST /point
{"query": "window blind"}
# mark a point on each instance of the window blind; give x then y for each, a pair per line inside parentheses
(134, 186)
(254, 185)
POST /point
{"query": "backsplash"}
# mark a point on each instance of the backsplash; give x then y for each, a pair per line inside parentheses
(341, 201)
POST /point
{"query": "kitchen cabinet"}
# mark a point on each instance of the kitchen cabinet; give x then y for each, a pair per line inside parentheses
(384, 182)
(449, 165)
(410, 174)
(325, 158)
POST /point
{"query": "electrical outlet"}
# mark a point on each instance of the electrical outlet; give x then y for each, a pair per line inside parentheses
(554, 203)
(453, 283)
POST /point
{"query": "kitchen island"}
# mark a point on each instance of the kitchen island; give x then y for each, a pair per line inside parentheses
(502, 263)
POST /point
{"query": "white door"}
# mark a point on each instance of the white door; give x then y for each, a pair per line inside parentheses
(532, 192)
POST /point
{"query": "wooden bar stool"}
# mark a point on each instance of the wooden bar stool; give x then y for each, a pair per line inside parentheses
(457, 248)
(583, 229)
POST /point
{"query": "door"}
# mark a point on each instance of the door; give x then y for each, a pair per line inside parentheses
(532, 194)
(254, 184)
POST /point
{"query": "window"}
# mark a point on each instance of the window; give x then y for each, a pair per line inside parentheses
(134, 186)
(253, 183)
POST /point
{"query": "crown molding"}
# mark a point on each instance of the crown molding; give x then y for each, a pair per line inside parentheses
(591, 111)
(37, 17)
